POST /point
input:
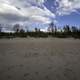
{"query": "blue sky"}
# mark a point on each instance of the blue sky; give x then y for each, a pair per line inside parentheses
(39, 13)
(72, 18)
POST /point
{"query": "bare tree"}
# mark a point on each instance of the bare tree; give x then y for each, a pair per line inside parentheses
(67, 29)
(36, 29)
(0, 28)
(16, 27)
(52, 26)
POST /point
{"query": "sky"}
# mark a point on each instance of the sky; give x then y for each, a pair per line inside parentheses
(40, 13)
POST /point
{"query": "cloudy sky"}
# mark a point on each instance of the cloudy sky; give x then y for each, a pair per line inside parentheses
(40, 12)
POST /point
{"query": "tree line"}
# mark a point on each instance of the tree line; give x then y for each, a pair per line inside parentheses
(66, 32)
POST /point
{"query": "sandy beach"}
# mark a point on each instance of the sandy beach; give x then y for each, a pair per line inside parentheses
(39, 59)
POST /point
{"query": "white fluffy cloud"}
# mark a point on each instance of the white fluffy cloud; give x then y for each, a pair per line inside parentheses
(67, 6)
(24, 10)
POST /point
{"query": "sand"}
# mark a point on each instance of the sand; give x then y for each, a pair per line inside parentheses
(39, 59)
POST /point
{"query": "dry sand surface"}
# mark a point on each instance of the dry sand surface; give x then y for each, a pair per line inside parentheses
(40, 59)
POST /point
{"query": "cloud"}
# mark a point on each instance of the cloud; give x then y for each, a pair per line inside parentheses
(12, 11)
(65, 7)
